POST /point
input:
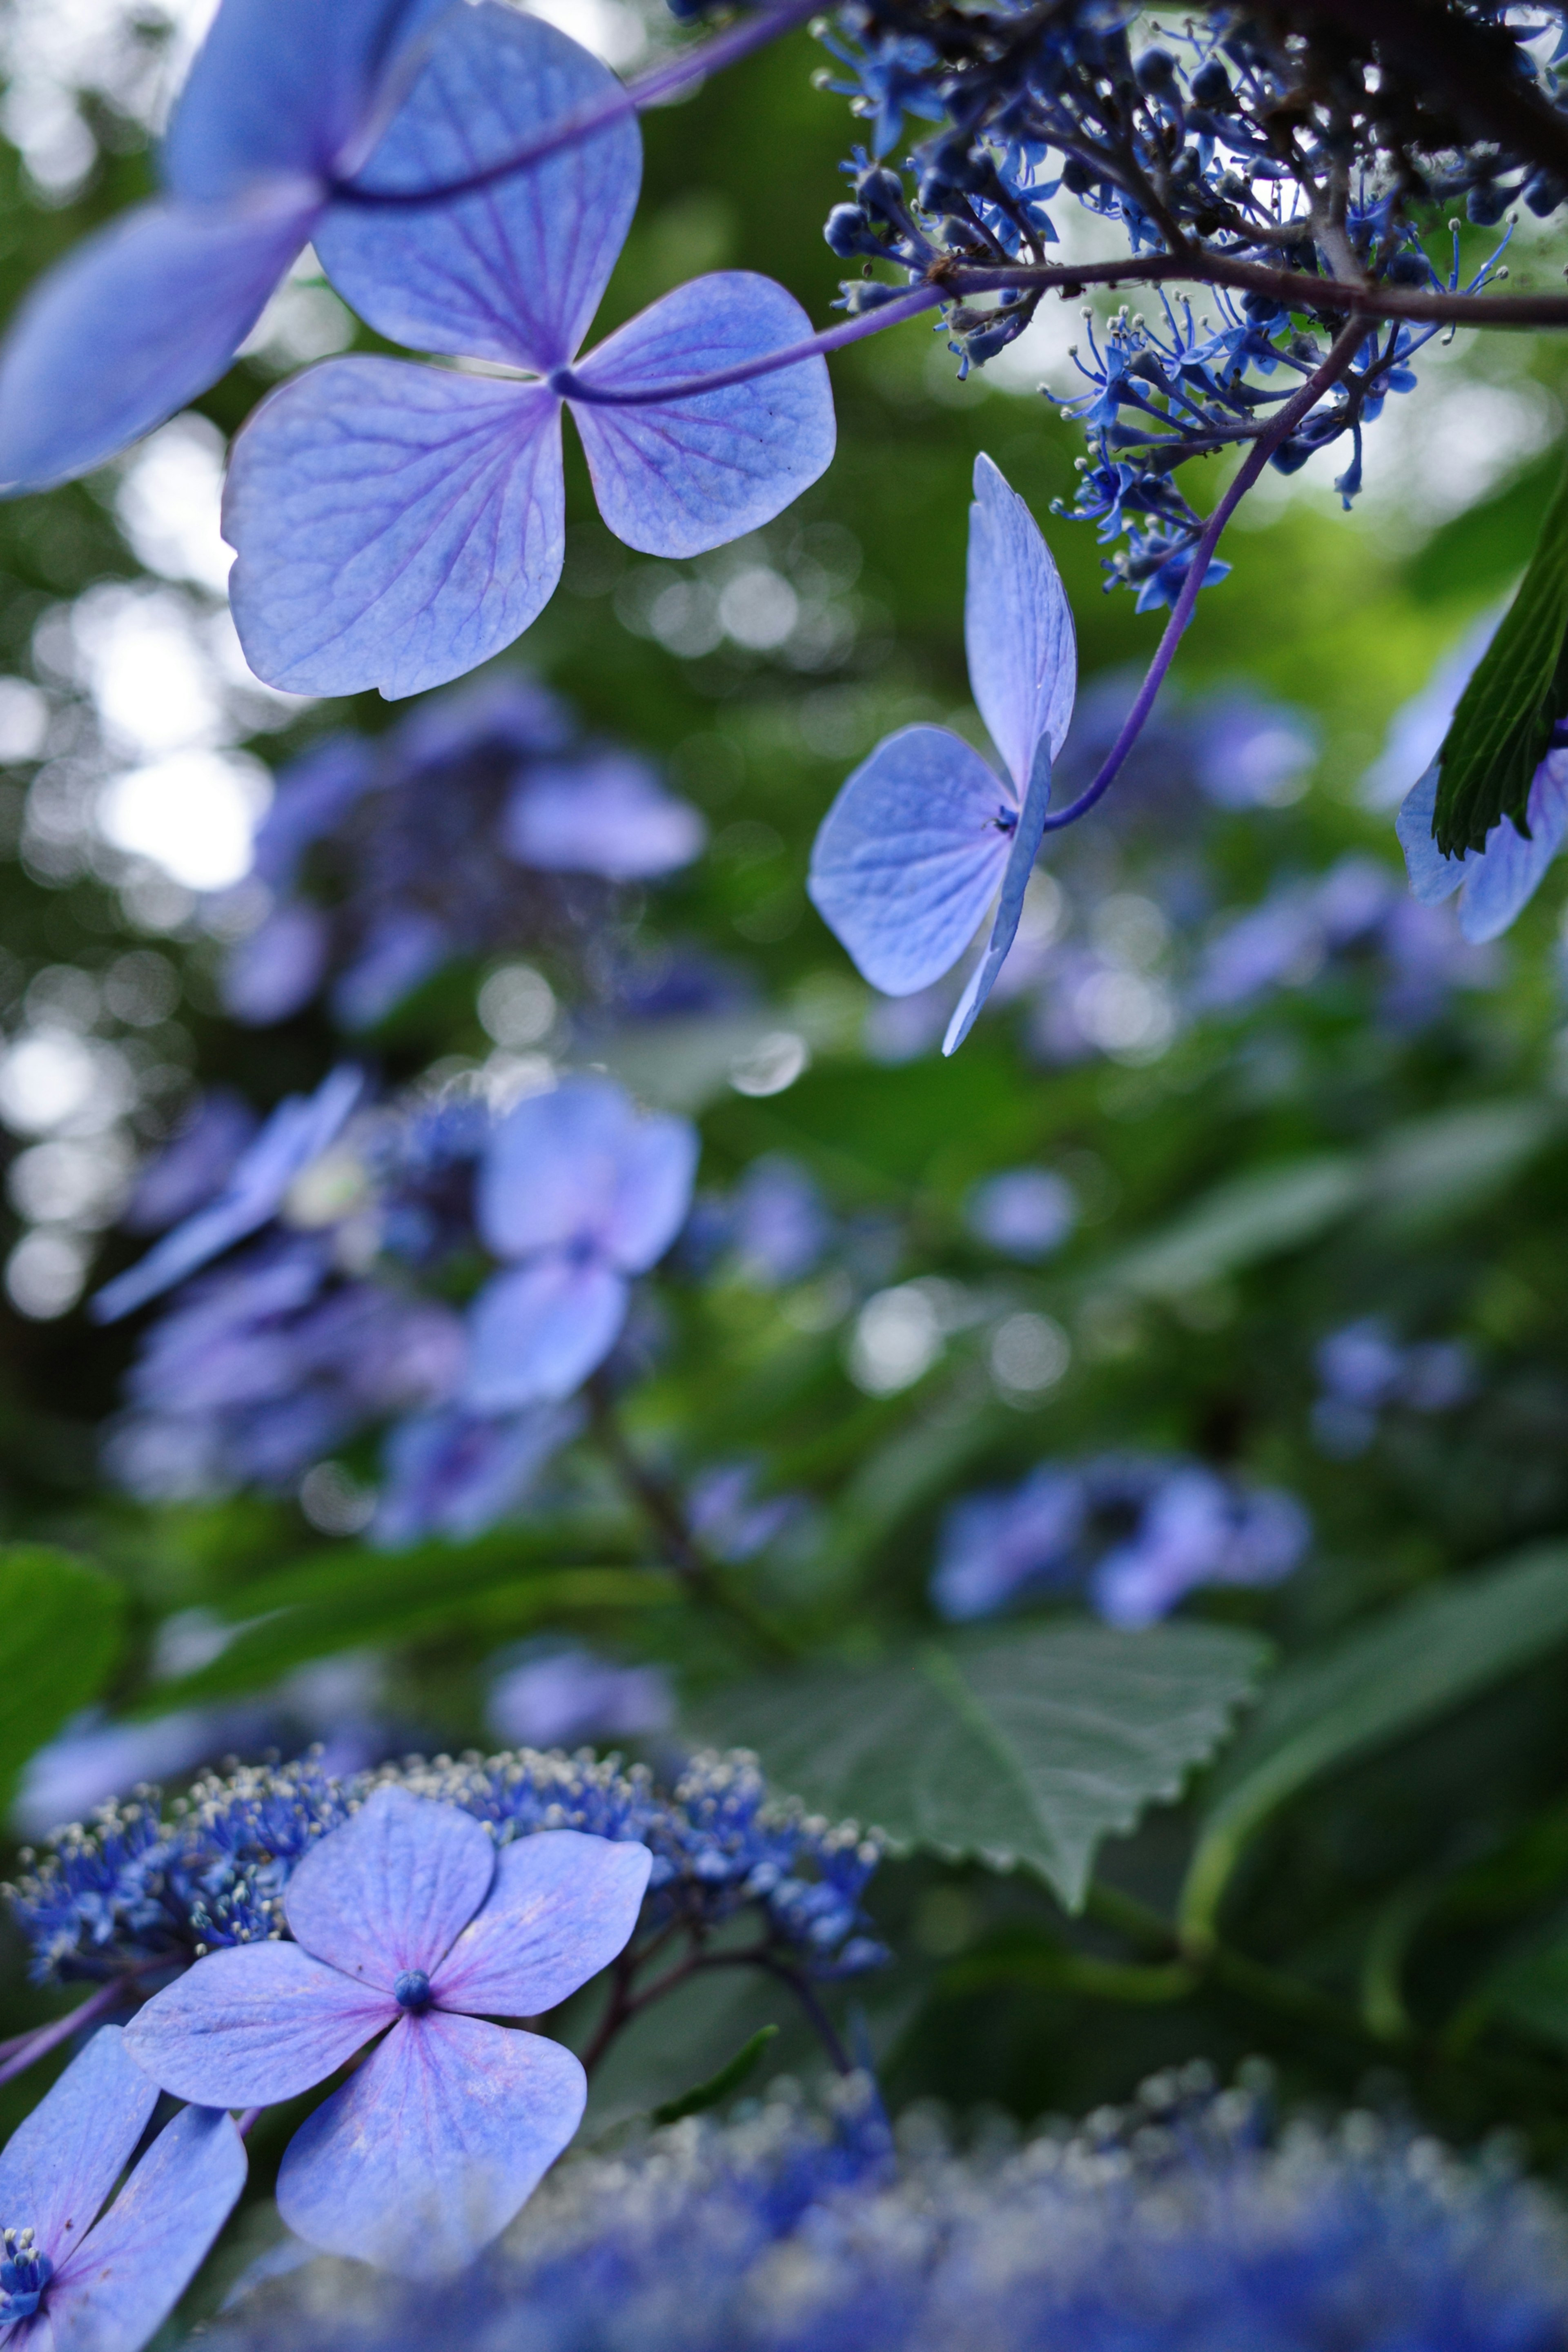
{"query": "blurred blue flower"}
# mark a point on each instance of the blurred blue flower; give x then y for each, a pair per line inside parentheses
(779, 1223)
(195, 1163)
(580, 1194)
(478, 824)
(1025, 1213)
(729, 1519)
(406, 1917)
(454, 1472)
(556, 1696)
(74, 2273)
(1134, 1533)
(1173, 2225)
(1364, 1370)
(1252, 754)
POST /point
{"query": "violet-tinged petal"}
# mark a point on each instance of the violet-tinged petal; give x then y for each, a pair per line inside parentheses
(537, 1332)
(1432, 876)
(910, 855)
(136, 321)
(605, 815)
(118, 2288)
(676, 478)
(402, 949)
(281, 88)
(454, 1472)
(1020, 864)
(298, 1132)
(428, 2151)
(62, 2160)
(391, 1890)
(395, 525)
(315, 793)
(254, 2024)
(515, 272)
(551, 1170)
(563, 1906)
(278, 968)
(653, 1194)
(1018, 627)
(1507, 873)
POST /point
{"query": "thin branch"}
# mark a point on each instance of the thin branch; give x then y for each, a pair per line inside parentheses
(26, 2048)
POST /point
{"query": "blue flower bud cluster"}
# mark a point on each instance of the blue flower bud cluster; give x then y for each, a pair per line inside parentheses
(1274, 154)
(481, 823)
(136, 1885)
(1175, 2225)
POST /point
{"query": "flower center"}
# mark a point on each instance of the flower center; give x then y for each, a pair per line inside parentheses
(411, 1992)
(24, 2272)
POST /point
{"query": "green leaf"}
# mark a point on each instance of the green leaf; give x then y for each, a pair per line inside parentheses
(60, 1631)
(1025, 1745)
(1529, 1990)
(1417, 1661)
(719, 2085)
(345, 1598)
(1519, 691)
(1240, 1222)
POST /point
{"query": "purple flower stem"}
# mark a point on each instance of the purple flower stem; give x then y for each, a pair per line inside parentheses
(833, 339)
(1346, 344)
(26, 2048)
(245, 2123)
(652, 89)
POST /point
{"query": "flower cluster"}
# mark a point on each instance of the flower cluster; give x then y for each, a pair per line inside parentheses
(479, 824)
(1135, 1533)
(138, 1886)
(1364, 1371)
(1178, 2223)
(1268, 158)
(365, 1224)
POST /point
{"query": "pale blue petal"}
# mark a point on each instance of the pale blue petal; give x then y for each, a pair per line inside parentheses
(427, 2152)
(1432, 876)
(118, 2288)
(298, 1132)
(551, 1173)
(1010, 904)
(653, 1195)
(134, 324)
(395, 525)
(1018, 627)
(391, 1889)
(62, 2160)
(564, 1905)
(515, 272)
(910, 855)
(278, 968)
(676, 478)
(1508, 871)
(605, 816)
(281, 88)
(253, 2024)
(402, 949)
(537, 1333)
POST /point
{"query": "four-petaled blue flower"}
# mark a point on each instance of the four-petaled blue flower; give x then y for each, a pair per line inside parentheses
(396, 525)
(71, 2281)
(1496, 882)
(583, 1194)
(924, 833)
(407, 1917)
(284, 102)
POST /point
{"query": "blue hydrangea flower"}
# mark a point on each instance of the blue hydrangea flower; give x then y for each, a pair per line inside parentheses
(284, 102)
(454, 1472)
(580, 1194)
(396, 525)
(1364, 1369)
(1134, 1533)
(1176, 2225)
(1497, 881)
(1025, 1213)
(298, 1132)
(74, 2277)
(195, 1164)
(451, 835)
(925, 834)
(408, 1918)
